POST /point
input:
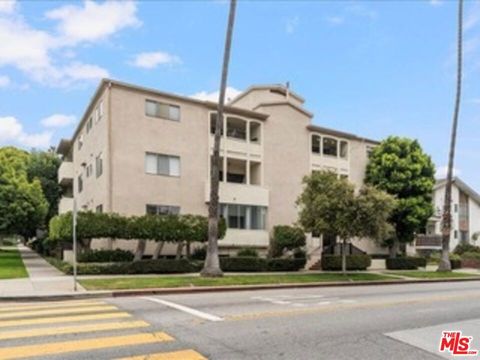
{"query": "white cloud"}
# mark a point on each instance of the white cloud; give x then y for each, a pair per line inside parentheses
(80, 71)
(150, 60)
(442, 172)
(361, 10)
(335, 20)
(11, 132)
(436, 2)
(93, 21)
(292, 24)
(230, 94)
(7, 6)
(58, 120)
(472, 17)
(4, 81)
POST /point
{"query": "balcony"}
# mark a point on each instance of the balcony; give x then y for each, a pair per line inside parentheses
(429, 241)
(231, 193)
(65, 205)
(65, 173)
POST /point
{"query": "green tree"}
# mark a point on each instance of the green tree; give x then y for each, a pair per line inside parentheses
(330, 205)
(43, 165)
(400, 167)
(22, 204)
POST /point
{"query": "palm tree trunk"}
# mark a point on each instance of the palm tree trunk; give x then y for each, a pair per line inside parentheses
(158, 250)
(212, 261)
(141, 245)
(447, 207)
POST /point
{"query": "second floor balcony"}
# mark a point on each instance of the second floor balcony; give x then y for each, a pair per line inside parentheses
(428, 241)
(65, 173)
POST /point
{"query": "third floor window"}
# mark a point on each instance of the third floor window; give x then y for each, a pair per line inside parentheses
(162, 110)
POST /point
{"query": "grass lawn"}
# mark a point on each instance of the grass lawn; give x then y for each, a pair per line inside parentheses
(431, 274)
(185, 281)
(11, 264)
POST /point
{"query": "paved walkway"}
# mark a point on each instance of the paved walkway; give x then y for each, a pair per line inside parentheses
(44, 279)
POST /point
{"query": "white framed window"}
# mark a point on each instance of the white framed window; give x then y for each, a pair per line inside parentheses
(160, 164)
(162, 209)
(80, 142)
(162, 110)
(316, 144)
(98, 165)
(343, 149)
(330, 146)
(246, 217)
(89, 124)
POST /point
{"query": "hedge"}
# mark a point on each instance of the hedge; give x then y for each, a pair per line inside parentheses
(406, 263)
(247, 252)
(354, 262)
(102, 256)
(168, 228)
(460, 249)
(251, 264)
(160, 266)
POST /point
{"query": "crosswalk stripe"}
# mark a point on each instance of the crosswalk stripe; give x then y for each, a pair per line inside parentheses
(60, 319)
(43, 312)
(51, 305)
(48, 331)
(174, 355)
(17, 352)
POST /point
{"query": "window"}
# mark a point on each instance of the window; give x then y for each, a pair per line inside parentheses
(99, 165)
(162, 210)
(80, 142)
(100, 109)
(456, 207)
(159, 164)
(80, 183)
(329, 146)
(89, 124)
(344, 149)
(236, 128)
(99, 209)
(213, 124)
(255, 132)
(89, 170)
(161, 110)
(455, 234)
(369, 150)
(246, 217)
(316, 144)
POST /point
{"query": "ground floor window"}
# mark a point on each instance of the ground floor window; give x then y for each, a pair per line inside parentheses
(248, 217)
(162, 210)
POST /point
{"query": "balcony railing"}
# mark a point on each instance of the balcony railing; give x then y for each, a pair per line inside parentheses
(432, 241)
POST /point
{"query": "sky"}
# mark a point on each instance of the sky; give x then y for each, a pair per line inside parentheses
(373, 68)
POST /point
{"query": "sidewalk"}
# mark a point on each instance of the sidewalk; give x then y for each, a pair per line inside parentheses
(43, 279)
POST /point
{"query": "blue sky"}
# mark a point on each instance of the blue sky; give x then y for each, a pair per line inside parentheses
(373, 68)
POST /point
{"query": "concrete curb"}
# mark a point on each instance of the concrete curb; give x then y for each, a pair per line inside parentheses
(211, 289)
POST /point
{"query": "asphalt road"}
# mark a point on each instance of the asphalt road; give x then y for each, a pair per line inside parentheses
(367, 322)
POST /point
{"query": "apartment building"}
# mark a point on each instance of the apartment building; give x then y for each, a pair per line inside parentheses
(465, 217)
(138, 150)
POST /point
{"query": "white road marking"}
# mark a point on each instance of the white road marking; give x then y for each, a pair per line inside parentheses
(186, 309)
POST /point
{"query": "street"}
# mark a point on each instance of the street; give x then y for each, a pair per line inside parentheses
(358, 322)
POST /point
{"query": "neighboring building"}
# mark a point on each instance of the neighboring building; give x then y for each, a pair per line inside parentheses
(139, 150)
(465, 217)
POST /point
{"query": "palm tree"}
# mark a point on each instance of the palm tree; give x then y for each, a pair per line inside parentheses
(212, 262)
(447, 207)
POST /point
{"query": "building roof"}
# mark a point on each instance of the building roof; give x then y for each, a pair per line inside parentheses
(462, 186)
(338, 133)
(278, 87)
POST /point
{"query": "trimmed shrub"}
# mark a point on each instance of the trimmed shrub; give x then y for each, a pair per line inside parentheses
(455, 261)
(463, 248)
(286, 264)
(354, 262)
(286, 237)
(299, 254)
(247, 252)
(470, 260)
(243, 264)
(102, 256)
(470, 256)
(406, 263)
(199, 253)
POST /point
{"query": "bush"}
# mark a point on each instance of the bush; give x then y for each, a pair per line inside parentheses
(406, 263)
(243, 264)
(463, 248)
(199, 253)
(470, 256)
(286, 237)
(286, 264)
(354, 262)
(299, 254)
(102, 256)
(247, 252)
(455, 261)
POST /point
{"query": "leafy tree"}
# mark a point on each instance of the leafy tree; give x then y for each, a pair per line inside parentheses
(22, 204)
(330, 205)
(43, 165)
(400, 167)
(286, 237)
